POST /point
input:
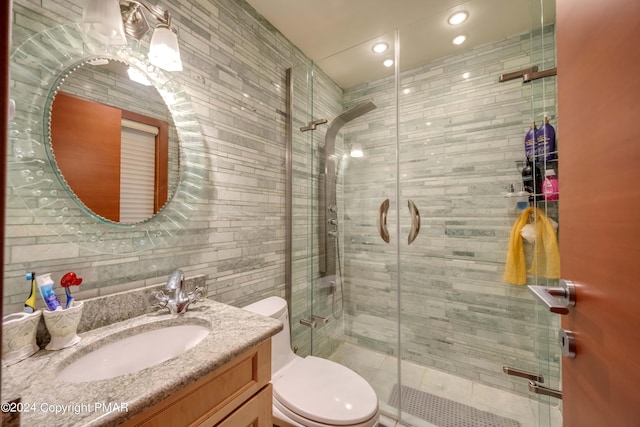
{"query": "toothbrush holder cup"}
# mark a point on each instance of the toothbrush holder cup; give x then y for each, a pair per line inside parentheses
(19, 336)
(63, 325)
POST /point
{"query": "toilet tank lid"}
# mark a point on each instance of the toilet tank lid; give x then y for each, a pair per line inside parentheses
(270, 307)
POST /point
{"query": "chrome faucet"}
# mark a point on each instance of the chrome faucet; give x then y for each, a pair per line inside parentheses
(177, 300)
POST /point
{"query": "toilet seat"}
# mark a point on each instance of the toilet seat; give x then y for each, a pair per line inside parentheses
(314, 391)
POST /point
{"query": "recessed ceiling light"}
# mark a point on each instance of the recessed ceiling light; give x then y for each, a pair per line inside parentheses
(458, 18)
(388, 62)
(459, 39)
(380, 47)
(466, 75)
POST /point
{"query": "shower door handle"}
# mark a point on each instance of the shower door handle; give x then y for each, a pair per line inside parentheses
(382, 220)
(415, 222)
(559, 300)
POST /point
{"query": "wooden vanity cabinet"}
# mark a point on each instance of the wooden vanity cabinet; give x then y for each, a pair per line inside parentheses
(237, 394)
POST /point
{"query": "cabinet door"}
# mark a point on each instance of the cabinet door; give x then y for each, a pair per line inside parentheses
(215, 396)
(255, 413)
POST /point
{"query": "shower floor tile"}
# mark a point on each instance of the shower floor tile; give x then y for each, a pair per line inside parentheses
(380, 371)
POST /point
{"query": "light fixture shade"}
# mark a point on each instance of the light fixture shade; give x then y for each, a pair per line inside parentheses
(164, 51)
(101, 20)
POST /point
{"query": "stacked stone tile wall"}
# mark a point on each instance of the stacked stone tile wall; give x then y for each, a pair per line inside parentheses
(234, 72)
(460, 144)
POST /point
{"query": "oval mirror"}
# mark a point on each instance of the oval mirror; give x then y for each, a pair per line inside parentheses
(55, 61)
(113, 141)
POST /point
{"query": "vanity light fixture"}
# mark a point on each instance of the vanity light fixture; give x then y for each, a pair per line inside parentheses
(102, 20)
(98, 21)
(380, 47)
(459, 40)
(458, 18)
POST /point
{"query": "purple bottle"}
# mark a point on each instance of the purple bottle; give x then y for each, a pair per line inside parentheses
(530, 142)
(546, 142)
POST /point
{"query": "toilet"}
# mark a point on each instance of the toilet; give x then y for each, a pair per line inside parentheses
(311, 391)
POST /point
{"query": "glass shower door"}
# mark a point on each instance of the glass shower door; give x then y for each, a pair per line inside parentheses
(544, 106)
(413, 298)
(357, 291)
(461, 139)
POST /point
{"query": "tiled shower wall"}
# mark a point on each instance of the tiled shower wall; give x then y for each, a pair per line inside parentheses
(234, 72)
(460, 145)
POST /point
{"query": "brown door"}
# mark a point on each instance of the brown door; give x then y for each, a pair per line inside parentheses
(85, 137)
(599, 149)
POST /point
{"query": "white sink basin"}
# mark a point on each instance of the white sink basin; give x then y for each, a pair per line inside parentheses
(134, 353)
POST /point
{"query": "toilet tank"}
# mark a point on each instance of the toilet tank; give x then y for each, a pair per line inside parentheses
(276, 308)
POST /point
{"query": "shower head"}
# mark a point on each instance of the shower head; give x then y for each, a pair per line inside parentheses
(341, 120)
(354, 112)
(327, 188)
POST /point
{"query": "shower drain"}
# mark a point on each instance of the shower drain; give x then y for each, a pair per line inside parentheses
(444, 412)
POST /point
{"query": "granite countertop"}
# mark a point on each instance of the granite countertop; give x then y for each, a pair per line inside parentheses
(52, 402)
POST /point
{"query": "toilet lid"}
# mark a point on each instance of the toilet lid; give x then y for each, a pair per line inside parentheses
(324, 391)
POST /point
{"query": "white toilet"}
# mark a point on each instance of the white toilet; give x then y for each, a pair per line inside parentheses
(311, 391)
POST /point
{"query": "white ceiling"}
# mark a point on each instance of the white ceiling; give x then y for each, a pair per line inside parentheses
(337, 34)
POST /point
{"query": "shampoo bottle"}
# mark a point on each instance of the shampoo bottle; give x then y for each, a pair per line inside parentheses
(45, 284)
(550, 185)
(532, 180)
(546, 142)
(530, 142)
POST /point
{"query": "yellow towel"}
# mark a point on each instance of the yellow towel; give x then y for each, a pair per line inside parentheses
(546, 259)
